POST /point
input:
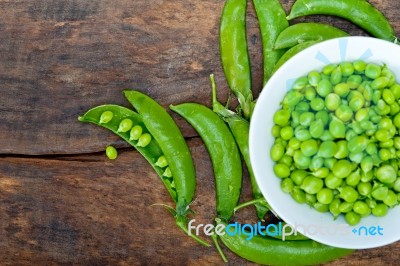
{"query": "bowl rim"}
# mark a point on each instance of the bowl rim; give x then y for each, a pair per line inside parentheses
(259, 173)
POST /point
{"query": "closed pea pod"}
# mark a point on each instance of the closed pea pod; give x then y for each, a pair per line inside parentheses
(223, 152)
(272, 20)
(360, 12)
(292, 52)
(303, 32)
(265, 250)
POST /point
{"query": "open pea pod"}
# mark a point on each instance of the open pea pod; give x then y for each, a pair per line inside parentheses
(152, 152)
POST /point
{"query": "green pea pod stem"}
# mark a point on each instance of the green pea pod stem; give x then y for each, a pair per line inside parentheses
(292, 52)
(272, 20)
(164, 129)
(269, 251)
(304, 32)
(151, 152)
(360, 12)
(240, 130)
(223, 152)
(234, 55)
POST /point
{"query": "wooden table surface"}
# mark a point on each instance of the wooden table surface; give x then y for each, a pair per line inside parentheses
(61, 201)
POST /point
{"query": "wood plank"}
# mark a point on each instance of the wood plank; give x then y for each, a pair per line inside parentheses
(60, 58)
(88, 210)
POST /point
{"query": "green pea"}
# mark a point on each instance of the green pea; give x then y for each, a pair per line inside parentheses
(357, 144)
(316, 128)
(275, 131)
(367, 125)
(388, 96)
(359, 65)
(309, 93)
(380, 83)
(321, 172)
(309, 147)
(376, 96)
(301, 161)
(336, 76)
(352, 218)
(298, 176)
(316, 163)
(281, 117)
(167, 172)
(287, 132)
(396, 185)
(356, 126)
(300, 83)
(385, 154)
(324, 88)
(324, 116)
(125, 125)
(302, 107)
(306, 118)
(292, 98)
(329, 162)
(367, 164)
(334, 207)
(367, 176)
(318, 206)
(356, 157)
(395, 89)
(344, 113)
(345, 207)
(341, 89)
(314, 78)
(111, 153)
(106, 117)
(294, 144)
(354, 178)
(364, 188)
(380, 193)
(311, 198)
(327, 70)
(386, 144)
(287, 185)
(362, 115)
(348, 194)
(298, 195)
(312, 184)
(281, 170)
(354, 81)
(361, 208)
(342, 168)
(391, 199)
(394, 109)
(317, 104)
(396, 120)
(144, 140)
(337, 128)
(302, 134)
(325, 196)
(380, 210)
(327, 149)
(371, 203)
(350, 134)
(373, 71)
(396, 143)
(342, 151)
(332, 181)
(136, 132)
(332, 101)
(356, 103)
(161, 162)
(347, 69)
(287, 160)
(368, 93)
(386, 174)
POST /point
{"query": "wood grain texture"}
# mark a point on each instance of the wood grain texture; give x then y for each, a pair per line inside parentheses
(71, 206)
(87, 210)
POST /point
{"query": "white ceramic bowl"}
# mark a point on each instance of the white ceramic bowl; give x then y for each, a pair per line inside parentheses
(372, 231)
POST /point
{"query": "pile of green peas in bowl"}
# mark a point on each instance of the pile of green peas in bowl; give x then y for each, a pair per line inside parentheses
(337, 141)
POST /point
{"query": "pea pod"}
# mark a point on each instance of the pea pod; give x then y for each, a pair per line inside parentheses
(223, 151)
(234, 55)
(292, 52)
(167, 134)
(151, 152)
(240, 130)
(269, 251)
(360, 12)
(304, 32)
(272, 20)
